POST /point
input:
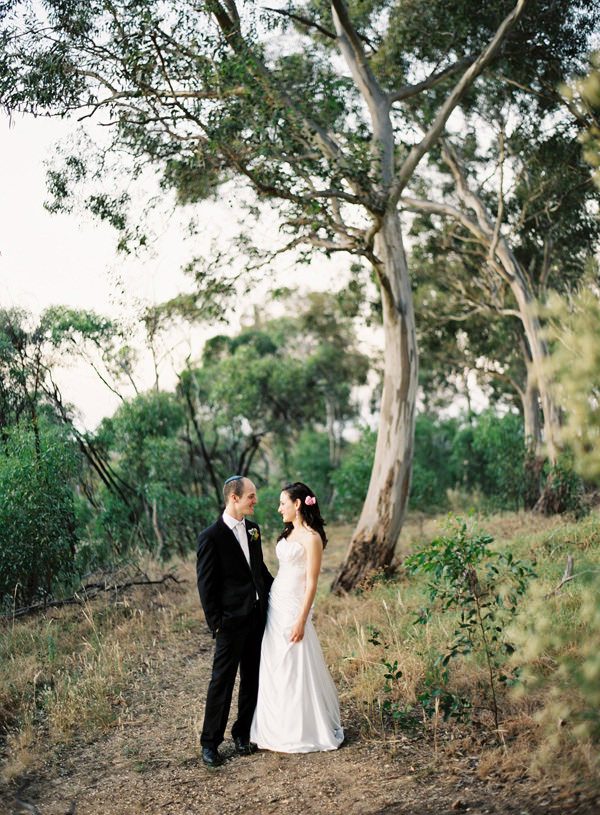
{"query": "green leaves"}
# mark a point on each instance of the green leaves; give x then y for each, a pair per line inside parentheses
(575, 366)
(483, 586)
(38, 472)
(64, 326)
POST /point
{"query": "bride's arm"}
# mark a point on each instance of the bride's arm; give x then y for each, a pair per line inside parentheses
(314, 555)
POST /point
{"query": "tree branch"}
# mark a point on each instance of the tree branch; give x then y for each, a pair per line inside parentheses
(446, 211)
(566, 578)
(406, 91)
(88, 592)
(305, 21)
(500, 212)
(483, 235)
(312, 131)
(356, 58)
(439, 123)
(377, 101)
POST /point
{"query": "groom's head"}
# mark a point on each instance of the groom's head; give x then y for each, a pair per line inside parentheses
(239, 494)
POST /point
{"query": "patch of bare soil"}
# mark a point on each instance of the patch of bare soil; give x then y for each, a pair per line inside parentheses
(150, 764)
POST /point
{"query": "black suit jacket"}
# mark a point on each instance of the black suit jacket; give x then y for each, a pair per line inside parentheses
(226, 583)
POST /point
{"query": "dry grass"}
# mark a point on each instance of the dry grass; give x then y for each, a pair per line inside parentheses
(541, 725)
(67, 673)
(71, 673)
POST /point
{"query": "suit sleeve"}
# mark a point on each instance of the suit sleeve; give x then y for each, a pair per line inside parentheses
(207, 574)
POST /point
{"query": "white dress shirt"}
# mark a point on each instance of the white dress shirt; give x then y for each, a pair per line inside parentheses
(239, 530)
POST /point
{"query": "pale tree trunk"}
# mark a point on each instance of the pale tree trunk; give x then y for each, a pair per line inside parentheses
(374, 540)
(552, 498)
(503, 260)
(334, 447)
(530, 400)
(534, 458)
(527, 306)
(538, 350)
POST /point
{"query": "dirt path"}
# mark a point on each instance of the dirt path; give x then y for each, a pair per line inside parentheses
(150, 764)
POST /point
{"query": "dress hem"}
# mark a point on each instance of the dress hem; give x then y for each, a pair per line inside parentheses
(292, 750)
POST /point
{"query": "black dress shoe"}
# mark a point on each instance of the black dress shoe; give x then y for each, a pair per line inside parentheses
(211, 757)
(244, 747)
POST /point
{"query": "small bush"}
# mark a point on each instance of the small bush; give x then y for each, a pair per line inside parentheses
(432, 474)
(558, 635)
(351, 479)
(563, 490)
(484, 587)
(37, 517)
(488, 457)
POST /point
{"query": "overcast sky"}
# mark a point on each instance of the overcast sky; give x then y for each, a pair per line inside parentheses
(48, 259)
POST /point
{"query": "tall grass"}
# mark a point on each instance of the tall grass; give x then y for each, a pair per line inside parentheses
(71, 673)
(67, 674)
(549, 711)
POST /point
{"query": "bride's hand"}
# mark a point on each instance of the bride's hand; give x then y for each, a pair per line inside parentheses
(297, 631)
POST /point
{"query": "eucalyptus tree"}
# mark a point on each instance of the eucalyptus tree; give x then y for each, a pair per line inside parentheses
(310, 104)
(324, 334)
(467, 326)
(31, 350)
(463, 341)
(21, 371)
(510, 179)
(465, 338)
(584, 100)
(40, 466)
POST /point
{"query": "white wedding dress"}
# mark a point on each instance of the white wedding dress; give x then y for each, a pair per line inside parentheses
(297, 709)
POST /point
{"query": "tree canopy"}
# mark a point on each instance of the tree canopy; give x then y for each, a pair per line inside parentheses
(326, 110)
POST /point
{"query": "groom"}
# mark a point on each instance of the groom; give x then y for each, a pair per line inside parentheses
(234, 584)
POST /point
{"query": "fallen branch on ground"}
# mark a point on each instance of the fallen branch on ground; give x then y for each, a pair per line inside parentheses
(88, 592)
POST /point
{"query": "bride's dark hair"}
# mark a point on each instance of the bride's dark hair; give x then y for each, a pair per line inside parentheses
(309, 510)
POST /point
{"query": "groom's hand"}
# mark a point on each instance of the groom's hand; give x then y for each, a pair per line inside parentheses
(297, 631)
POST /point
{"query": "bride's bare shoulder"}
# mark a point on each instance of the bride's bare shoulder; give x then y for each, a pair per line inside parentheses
(310, 537)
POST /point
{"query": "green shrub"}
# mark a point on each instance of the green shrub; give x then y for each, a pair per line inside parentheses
(484, 587)
(558, 635)
(351, 479)
(265, 513)
(488, 456)
(432, 474)
(157, 509)
(563, 490)
(37, 516)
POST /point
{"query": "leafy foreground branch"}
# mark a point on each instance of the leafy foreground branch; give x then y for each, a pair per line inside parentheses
(484, 587)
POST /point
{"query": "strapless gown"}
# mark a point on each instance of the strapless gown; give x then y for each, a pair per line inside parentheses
(297, 709)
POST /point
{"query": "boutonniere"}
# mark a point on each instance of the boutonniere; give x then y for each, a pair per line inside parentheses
(254, 534)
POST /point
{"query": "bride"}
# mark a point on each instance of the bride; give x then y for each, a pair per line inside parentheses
(297, 709)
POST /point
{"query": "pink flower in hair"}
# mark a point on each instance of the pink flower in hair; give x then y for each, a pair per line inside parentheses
(310, 500)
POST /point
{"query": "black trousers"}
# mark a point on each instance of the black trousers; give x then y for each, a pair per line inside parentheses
(238, 648)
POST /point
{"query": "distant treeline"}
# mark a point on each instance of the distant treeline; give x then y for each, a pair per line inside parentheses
(274, 402)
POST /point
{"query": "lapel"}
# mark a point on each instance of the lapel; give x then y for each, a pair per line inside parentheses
(252, 548)
(232, 543)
